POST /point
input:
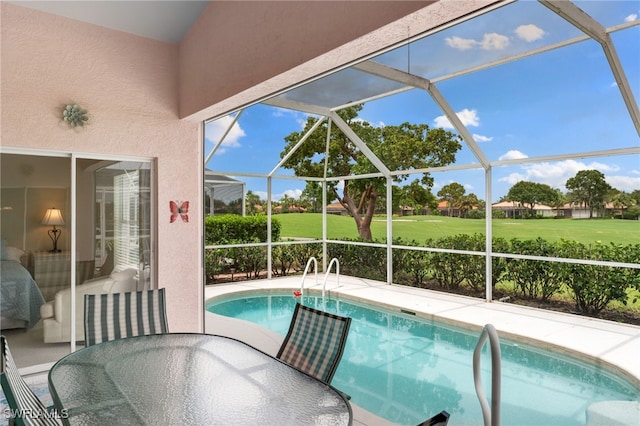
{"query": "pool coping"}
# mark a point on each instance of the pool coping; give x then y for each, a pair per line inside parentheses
(614, 346)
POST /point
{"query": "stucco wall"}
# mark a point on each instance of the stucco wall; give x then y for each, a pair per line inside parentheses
(240, 51)
(129, 84)
(234, 46)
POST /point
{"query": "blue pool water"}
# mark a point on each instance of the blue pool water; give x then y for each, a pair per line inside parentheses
(406, 369)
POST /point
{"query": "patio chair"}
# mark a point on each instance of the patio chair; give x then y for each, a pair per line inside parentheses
(440, 419)
(315, 342)
(26, 408)
(117, 315)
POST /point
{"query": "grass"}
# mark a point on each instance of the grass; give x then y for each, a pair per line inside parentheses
(420, 228)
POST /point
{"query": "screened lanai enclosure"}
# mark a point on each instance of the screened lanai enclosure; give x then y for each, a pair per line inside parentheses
(526, 91)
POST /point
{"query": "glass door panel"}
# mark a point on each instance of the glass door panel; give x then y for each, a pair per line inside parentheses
(113, 200)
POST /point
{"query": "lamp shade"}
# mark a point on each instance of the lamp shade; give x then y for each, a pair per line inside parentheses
(53, 217)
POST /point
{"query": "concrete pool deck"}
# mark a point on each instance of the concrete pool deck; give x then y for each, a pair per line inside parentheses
(615, 346)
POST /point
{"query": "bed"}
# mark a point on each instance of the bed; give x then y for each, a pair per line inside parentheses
(20, 297)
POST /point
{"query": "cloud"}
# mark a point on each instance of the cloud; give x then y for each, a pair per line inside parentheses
(467, 116)
(299, 117)
(556, 174)
(292, 193)
(529, 32)
(631, 17)
(480, 138)
(460, 43)
(494, 41)
(512, 155)
(215, 129)
(490, 41)
(623, 183)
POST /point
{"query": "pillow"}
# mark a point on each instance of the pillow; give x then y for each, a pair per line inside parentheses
(13, 253)
(9, 253)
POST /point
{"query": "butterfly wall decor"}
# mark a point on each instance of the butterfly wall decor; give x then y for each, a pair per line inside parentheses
(182, 210)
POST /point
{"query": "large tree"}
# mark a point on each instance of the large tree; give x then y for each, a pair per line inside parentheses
(453, 193)
(588, 188)
(403, 147)
(418, 197)
(531, 193)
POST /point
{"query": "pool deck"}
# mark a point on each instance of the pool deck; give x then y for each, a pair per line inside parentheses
(614, 345)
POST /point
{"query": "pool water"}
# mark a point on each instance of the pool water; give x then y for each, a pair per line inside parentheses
(406, 369)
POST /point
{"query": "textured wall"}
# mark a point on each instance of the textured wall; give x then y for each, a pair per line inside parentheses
(235, 46)
(129, 84)
(238, 52)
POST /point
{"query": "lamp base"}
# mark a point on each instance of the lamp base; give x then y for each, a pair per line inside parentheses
(55, 251)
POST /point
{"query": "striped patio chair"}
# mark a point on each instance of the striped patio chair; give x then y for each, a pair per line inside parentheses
(440, 419)
(25, 406)
(117, 315)
(315, 342)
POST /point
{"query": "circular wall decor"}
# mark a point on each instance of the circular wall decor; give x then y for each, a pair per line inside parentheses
(75, 115)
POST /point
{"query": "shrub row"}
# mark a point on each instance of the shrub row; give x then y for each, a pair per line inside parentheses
(592, 287)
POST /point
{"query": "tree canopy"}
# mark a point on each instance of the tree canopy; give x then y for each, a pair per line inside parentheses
(401, 147)
(531, 193)
(588, 188)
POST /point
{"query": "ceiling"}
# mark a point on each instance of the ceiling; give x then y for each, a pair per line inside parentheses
(167, 21)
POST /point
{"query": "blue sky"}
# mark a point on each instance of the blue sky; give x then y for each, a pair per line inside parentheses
(559, 102)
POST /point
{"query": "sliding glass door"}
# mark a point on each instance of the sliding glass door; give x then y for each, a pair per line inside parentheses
(94, 213)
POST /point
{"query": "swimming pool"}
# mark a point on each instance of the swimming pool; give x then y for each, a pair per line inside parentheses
(405, 368)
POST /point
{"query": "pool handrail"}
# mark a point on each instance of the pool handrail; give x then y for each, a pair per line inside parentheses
(326, 274)
(304, 275)
(491, 416)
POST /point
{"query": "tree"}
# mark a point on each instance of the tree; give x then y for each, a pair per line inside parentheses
(417, 196)
(468, 202)
(252, 202)
(588, 188)
(312, 195)
(453, 194)
(531, 193)
(403, 147)
(621, 201)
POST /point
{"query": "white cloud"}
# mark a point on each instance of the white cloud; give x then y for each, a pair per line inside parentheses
(292, 193)
(490, 41)
(299, 117)
(467, 116)
(480, 138)
(529, 32)
(624, 183)
(460, 43)
(215, 129)
(512, 155)
(494, 41)
(556, 174)
(631, 17)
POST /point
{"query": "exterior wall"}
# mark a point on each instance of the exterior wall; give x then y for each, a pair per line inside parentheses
(129, 84)
(239, 52)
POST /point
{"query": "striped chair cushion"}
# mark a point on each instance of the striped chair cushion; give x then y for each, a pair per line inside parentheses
(26, 407)
(315, 342)
(117, 315)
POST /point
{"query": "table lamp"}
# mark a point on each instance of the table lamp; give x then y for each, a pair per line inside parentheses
(53, 217)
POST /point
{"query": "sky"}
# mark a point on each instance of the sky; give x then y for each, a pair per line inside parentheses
(563, 101)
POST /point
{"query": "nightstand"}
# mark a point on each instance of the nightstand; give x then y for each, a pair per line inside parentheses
(52, 272)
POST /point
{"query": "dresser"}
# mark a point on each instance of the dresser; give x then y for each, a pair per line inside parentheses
(52, 272)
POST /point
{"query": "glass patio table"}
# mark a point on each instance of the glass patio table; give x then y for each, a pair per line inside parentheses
(192, 379)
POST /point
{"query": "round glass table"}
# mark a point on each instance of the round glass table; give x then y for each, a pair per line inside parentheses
(192, 379)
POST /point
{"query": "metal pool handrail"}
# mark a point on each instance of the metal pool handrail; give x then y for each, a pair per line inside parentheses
(326, 274)
(491, 416)
(304, 275)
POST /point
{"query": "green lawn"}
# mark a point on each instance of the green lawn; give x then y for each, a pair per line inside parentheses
(419, 228)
